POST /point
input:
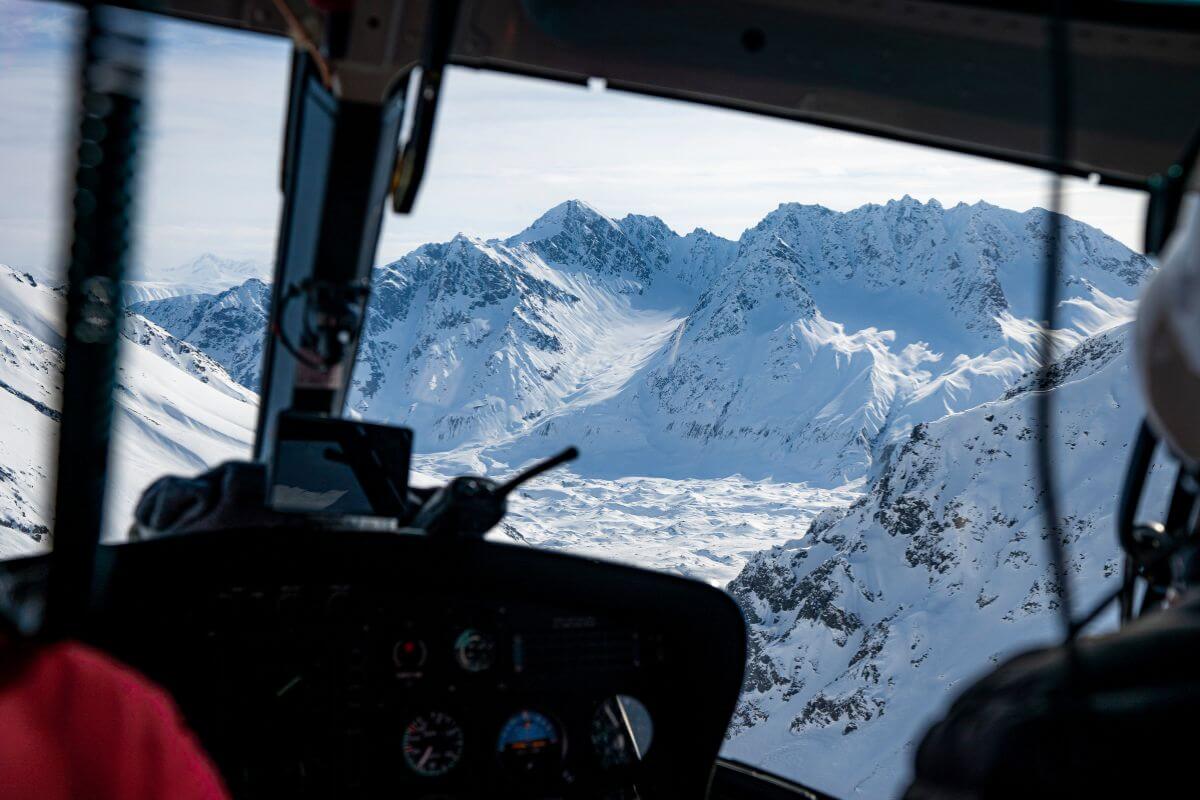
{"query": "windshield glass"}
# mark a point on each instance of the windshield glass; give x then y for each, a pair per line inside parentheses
(205, 234)
(797, 362)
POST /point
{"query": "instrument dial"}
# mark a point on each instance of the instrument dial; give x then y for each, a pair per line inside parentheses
(409, 654)
(475, 651)
(621, 731)
(432, 744)
(529, 742)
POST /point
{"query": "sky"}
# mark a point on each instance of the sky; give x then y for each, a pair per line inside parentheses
(505, 150)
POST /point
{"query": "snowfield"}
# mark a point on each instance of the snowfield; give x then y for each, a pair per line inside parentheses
(704, 529)
(177, 412)
(830, 416)
(700, 528)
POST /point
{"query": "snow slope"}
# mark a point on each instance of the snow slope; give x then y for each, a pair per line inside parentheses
(30, 375)
(867, 626)
(177, 411)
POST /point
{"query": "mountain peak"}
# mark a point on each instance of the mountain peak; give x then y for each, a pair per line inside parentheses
(791, 217)
(800, 208)
(206, 273)
(577, 206)
(566, 215)
(644, 221)
(464, 240)
(910, 202)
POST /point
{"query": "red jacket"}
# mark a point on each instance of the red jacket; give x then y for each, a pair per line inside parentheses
(74, 723)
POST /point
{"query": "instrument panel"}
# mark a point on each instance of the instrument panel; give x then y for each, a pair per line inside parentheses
(344, 663)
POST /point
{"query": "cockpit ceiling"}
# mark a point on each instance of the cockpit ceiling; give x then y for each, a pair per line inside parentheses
(958, 75)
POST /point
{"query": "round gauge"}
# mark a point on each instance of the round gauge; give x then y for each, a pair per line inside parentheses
(621, 731)
(432, 744)
(475, 651)
(409, 654)
(529, 742)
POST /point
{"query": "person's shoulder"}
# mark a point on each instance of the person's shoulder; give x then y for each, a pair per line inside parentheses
(91, 677)
(120, 733)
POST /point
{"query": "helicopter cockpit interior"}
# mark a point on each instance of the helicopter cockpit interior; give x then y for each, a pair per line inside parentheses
(328, 629)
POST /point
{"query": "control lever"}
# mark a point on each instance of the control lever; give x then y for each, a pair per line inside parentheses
(469, 506)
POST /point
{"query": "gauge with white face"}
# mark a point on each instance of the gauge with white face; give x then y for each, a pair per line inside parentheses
(432, 744)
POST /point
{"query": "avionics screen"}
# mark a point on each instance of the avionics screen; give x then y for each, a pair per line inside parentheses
(332, 466)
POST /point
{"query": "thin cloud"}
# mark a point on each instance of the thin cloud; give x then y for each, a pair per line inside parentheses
(506, 149)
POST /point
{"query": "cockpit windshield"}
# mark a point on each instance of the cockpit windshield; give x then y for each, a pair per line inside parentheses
(797, 363)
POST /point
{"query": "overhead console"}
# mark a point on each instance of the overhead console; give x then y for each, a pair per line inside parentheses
(327, 663)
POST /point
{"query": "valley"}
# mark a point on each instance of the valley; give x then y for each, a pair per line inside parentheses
(830, 417)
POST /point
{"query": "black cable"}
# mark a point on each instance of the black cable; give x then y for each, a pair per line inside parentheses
(1070, 701)
(296, 352)
(1156, 560)
(283, 339)
(1173, 535)
(1131, 492)
(1183, 500)
(1135, 481)
(1098, 609)
(1060, 119)
(1166, 196)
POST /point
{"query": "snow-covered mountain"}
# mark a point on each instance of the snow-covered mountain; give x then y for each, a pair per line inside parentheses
(868, 625)
(177, 411)
(890, 345)
(229, 326)
(205, 274)
(831, 415)
(798, 351)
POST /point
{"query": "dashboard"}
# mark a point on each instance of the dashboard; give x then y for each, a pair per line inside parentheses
(347, 663)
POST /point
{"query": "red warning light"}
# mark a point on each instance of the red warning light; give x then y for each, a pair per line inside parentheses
(409, 654)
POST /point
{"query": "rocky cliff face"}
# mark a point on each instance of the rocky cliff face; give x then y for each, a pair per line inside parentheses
(229, 326)
(867, 626)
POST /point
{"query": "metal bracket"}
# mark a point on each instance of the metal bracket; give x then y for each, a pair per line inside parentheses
(110, 109)
(337, 172)
(414, 154)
